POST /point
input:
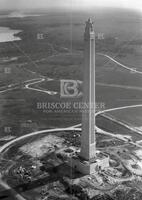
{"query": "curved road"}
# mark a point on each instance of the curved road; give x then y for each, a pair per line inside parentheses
(27, 86)
(120, 64)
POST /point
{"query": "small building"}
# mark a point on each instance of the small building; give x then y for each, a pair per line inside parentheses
(102, 160)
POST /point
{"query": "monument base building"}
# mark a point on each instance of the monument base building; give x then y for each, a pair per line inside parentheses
(89, 167)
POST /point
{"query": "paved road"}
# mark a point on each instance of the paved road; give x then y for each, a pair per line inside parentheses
(16, 85)
(27, 86)
(120, 64)
(8, 144)
(120, 86)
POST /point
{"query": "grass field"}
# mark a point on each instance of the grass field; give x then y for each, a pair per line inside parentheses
(51, 57)
(116, 128)
(131, 116)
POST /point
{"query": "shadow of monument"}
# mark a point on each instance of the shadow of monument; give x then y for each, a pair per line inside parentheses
(57, 173)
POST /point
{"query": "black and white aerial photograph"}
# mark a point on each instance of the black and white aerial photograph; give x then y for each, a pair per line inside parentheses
(70, 100)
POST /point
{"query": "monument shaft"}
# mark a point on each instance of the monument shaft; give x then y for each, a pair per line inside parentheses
(88, 139)
(94, 159)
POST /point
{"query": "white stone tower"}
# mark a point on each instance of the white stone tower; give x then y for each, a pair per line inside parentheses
(88, 140)
(89, 159)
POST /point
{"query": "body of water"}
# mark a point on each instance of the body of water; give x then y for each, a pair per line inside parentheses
(7, 34)
(19, 15)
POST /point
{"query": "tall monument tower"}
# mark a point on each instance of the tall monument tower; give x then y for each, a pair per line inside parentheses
(88, 160)
(88, 140)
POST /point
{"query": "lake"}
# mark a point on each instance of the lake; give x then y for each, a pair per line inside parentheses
(7, 34)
